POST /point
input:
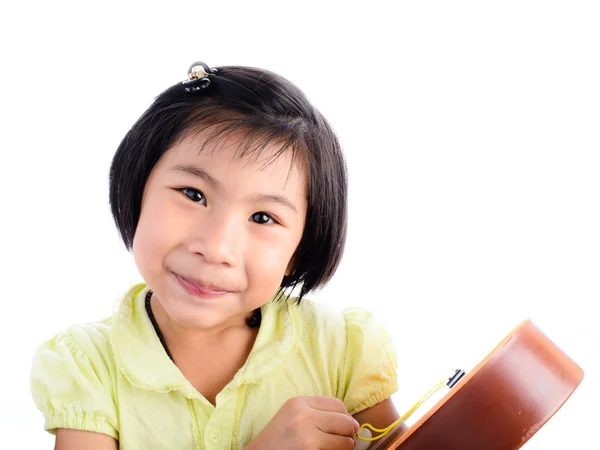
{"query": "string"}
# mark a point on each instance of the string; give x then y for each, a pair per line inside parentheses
(386, 430)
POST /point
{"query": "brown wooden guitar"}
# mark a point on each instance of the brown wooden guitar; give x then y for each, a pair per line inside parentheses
(501, 403)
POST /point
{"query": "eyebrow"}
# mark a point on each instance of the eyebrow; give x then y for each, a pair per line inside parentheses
(278, 199)
(197, 172)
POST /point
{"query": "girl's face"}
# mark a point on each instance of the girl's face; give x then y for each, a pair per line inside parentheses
(217, 234)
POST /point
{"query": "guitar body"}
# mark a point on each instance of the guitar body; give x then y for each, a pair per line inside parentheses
(501, 403)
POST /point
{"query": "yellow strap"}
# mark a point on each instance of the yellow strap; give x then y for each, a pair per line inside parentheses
(386, 430)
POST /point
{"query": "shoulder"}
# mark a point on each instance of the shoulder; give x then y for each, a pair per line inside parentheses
(89, 340)
(87, 343)
(352, 334)
(320, 323)
(72, 379)
(75, 373)
(320, 316)
(349, 323)
(77, 352)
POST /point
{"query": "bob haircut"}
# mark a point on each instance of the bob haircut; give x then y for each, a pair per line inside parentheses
(264, 108)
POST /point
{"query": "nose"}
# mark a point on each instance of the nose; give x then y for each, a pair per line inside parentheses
(217, 238)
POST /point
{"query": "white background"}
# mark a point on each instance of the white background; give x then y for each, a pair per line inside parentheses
(472, 136)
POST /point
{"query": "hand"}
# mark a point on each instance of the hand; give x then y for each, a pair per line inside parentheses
(308, 423)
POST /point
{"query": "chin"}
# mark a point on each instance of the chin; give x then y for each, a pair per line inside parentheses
(192, 312)
(188, 316)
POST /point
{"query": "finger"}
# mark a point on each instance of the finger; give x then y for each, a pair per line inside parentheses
(334, 442)
(325, 403)
(341, 424)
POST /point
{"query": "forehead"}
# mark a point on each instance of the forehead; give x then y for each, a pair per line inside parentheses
(239, 155)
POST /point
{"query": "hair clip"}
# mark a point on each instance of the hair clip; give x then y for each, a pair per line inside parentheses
(198, 77)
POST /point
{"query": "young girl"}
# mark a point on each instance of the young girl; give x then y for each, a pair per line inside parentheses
(231, 192)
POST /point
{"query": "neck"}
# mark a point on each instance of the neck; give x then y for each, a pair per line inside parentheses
(176, 337)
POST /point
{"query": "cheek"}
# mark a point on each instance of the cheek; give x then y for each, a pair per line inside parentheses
(152, 238)
(269, 263)
(143, 246)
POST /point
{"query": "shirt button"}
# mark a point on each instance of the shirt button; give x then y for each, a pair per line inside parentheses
(215, 436)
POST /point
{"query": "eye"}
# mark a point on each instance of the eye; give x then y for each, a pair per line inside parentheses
(262, 218)
(194, 195)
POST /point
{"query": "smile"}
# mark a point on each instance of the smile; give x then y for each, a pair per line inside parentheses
(199, 289)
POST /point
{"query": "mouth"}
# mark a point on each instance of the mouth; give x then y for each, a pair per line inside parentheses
(200, 288)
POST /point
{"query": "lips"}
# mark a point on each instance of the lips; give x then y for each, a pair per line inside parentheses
(201, 287)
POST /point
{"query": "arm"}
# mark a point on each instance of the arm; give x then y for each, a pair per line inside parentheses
(68, 439)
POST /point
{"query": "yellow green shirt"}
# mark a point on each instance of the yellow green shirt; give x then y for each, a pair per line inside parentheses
(114, 376)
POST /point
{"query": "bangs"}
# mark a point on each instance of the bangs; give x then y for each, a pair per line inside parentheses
(215, 127)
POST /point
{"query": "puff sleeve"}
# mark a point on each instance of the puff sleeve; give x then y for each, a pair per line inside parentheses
(71, 384)
(370, 362)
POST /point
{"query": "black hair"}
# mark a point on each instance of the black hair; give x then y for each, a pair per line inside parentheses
(267, 109)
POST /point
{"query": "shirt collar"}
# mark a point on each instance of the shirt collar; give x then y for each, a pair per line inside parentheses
(144, 362)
